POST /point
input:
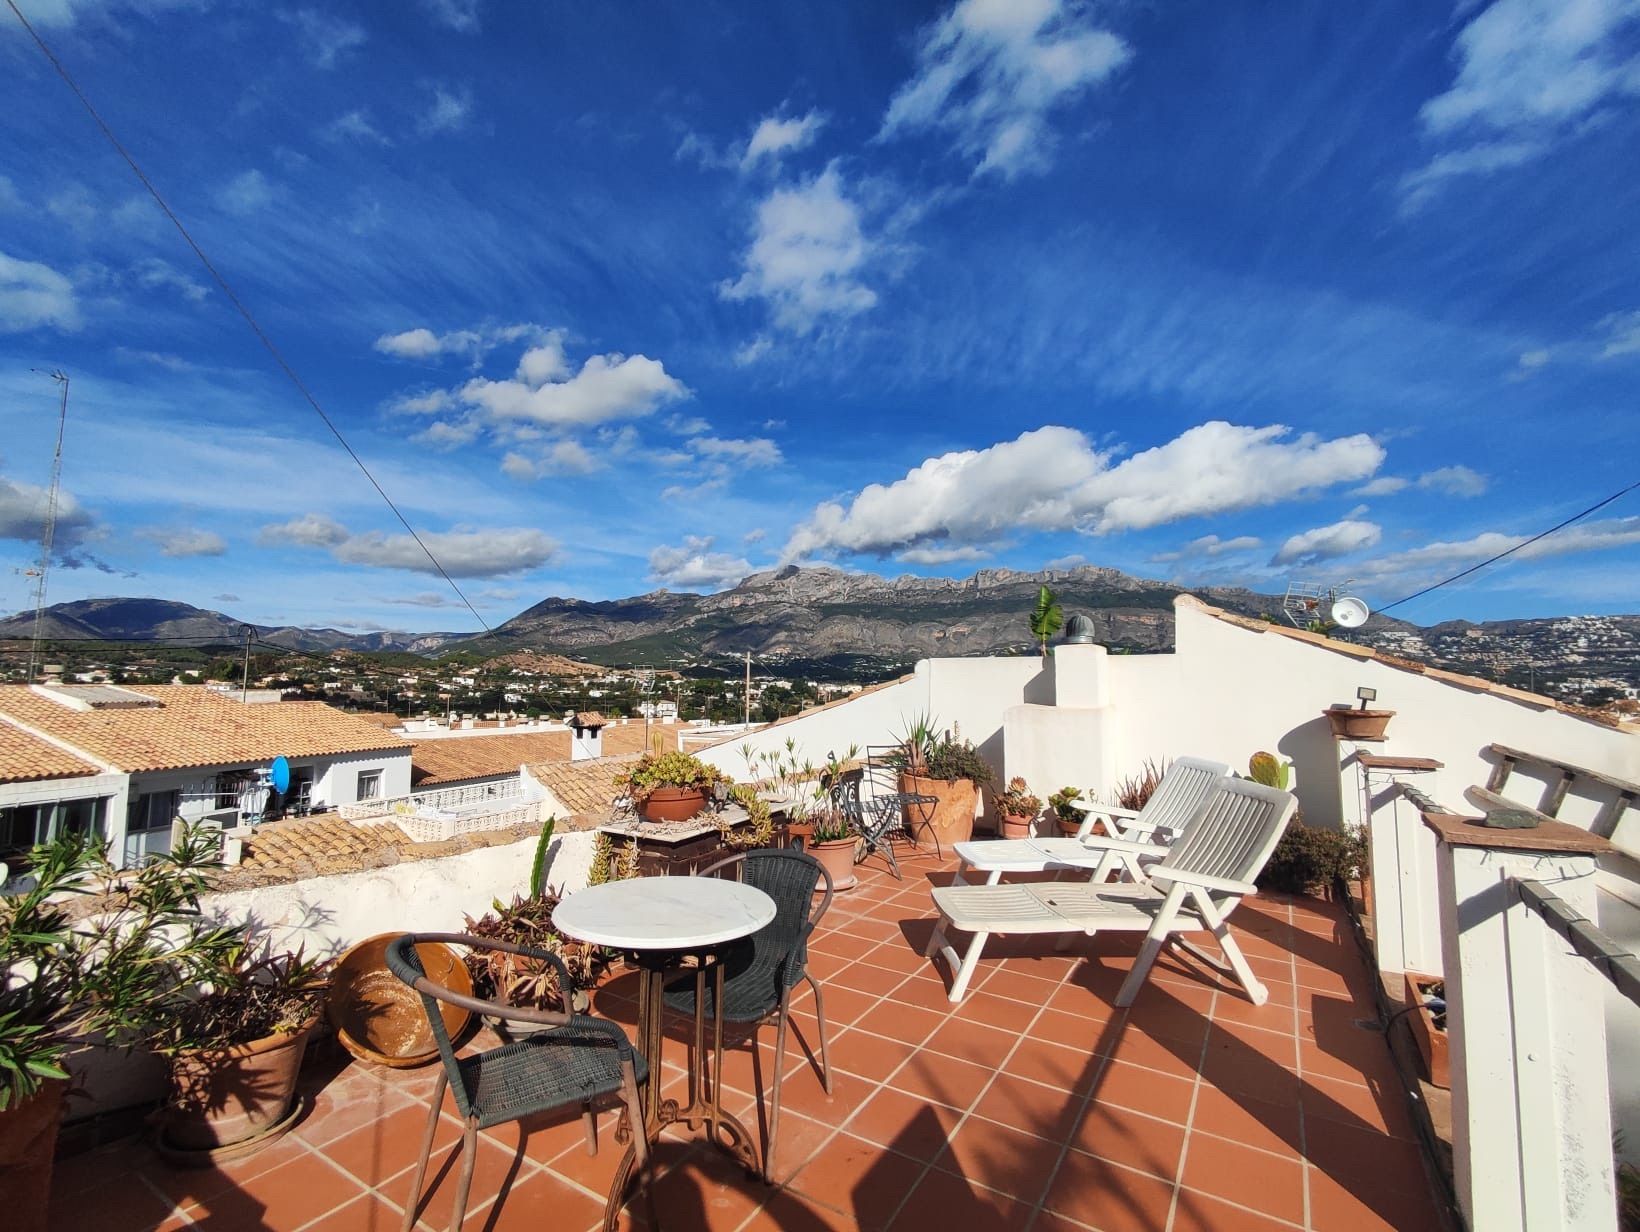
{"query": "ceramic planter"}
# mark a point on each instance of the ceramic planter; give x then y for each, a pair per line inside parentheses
(378, 1017)
(28, 1141)
(836, 856)
(233, 1097)
(1017, 825)
(673, 803)
(1359, 725)
(950, 820)
(1432, 1040)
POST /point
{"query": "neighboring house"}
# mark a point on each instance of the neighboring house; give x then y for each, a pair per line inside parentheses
(579, 791)
(445, 761)
(125, 761)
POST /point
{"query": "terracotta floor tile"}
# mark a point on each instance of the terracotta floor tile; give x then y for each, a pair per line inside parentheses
(786, 1211)
(978, 1042)
(1048, 1112)
(862, 977)
(1001, 1012)
(1235, 1039)
(1363, 1067)
(803, 1094)
(1383, 1108)
(907, 1124)
(945, 1200)
(1051, 1063)
(1245, 1176)
(1336, 1207)
(539, 1201)
(1196, 1212)
(1252, 1122)
(859, 1179)
(349, 1105)
(898, 1021)
(1144, 1090)
(1110, 1198)
(124, 1206)
(798, 1139)
(1121, 1136)
(868, 1056)
(1271, 1016)
(289, 1196)
(1360, 1157)
(942, 1079)
(366, 1214)
(1022, 985)
(998, 1157)
(844, 1005)
(187, 1186)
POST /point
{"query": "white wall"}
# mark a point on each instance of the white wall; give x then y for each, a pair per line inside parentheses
(870, 718)
(336, 781)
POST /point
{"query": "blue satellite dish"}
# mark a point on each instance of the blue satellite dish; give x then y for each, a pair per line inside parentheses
(281, 775)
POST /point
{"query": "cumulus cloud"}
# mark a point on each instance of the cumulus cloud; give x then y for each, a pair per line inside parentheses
(23, 517)
(446, 435)
(693, 565)
(1328, 542)
(33, 296)
(941, 556)
(182, 544)
(1208, 547)
(777, 135)
(1622, 335)
(560, 458)
(1587, 537)
(247, 193)
(423, 343)
(1384, 485)
(752, 451)
(1052, 478)
(1453, 481)
(990, 72)
(808, 255)
(463, 553)
(1528, 73)
(544, 390)
(449, 111)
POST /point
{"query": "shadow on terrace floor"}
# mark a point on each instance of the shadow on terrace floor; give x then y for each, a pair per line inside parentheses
(1033, 1104)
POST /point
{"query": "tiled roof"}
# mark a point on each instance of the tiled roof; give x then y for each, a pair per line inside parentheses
(25, 758)
(590, 718)
(584, 787)
(1477, 683)
(452, 759)
(629, 737)
(193, 726)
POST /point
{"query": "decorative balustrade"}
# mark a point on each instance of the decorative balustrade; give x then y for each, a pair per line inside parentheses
(440, 798)
(445, 813)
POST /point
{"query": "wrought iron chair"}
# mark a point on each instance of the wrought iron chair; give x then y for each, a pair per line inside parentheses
(878, 816)
(760, 972)
(576, 1060)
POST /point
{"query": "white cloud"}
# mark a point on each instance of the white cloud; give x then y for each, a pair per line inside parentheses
(463, 553)
(807, 255)
(23, 516)
(1328, 542)
(459, 15)
(1065, 562)
(694, 565)
(1453, 481)
(607, 387)
(753, 451)
(755, 535)
(33, 296)
(153, 274)
(447, 435)
(423, 343)
(326, 37)
(941, 556)
(427, 598)
(1622, 335)
(991, 71)
(750, 352)
(1384, 485)
(1587, 537)
(247, 193)
(1209, 546)
(355, 125)
(61, 14)
(1529, 364)
(776, 136)
(560, 458)
(1053, 479)
(1528, 73)
(450, 111)
(688, 425)
(186, 543)
(431, 402)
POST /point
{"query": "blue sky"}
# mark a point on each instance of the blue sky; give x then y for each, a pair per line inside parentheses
(619, 297)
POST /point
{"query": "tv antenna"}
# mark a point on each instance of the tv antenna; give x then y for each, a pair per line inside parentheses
(1305, 603)
(50, 532)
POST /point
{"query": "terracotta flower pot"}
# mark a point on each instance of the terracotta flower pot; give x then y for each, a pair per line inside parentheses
(222, 1097)
(836, 856)
(1017, 825)
(673, 803)
(1351, 724)
(1432, 1041)
(28, 1141)
(950, 820)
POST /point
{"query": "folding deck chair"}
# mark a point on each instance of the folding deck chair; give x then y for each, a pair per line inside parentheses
(876, 816)
(1140, 834)
(1206, 873)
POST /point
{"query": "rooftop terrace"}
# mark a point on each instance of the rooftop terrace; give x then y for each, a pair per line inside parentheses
(1033, 1104)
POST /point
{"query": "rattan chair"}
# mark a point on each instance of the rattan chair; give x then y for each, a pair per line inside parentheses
(576, 1060)
(760, 972)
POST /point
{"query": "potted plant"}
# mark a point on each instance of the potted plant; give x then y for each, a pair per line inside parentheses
(1066, 809)
(938, 764)
(669, 786)
(833, 843)
(1018, 809)
(1426, 999)
(1357, 723)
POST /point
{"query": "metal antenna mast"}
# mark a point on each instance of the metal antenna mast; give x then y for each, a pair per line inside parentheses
(61, 377)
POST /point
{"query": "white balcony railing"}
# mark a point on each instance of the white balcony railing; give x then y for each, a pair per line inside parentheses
(435, 816)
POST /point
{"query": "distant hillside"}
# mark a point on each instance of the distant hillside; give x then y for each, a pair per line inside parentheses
(129, 620)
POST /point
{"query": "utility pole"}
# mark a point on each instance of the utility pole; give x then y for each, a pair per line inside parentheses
(245, 679)
(50, 532)
(747, 719)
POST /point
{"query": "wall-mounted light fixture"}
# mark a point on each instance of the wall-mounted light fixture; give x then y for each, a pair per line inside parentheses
(1365, 695)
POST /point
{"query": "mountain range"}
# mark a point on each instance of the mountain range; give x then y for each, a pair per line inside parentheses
(861, 624)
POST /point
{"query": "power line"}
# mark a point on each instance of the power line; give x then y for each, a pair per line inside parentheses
(238, 304)
(1576, 517)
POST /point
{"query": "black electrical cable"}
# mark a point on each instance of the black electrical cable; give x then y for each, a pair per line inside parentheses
(238, 304)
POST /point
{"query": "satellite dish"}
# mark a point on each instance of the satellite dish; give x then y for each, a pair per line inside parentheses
(281, 775)
(1348, 612)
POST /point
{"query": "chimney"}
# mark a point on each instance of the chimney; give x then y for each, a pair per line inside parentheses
(587, 739)
(51, 673)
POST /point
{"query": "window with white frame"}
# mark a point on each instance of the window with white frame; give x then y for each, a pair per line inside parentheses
(370, 785)
(24, 825)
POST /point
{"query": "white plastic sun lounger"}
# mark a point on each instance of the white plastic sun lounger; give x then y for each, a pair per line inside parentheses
(1206, 873)
(1140, 834)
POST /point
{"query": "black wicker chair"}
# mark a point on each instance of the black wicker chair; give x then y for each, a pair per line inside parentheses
(760, 973)
(576, 1060)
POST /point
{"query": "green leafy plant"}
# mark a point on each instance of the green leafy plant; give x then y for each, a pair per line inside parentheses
(1046, 618)
(1309, 860)
(924, 750)
(912, 745)
(612, 860)
(538, 868)
(759, 830)
(1270, 770)
(831, 825)
(516, 980)
(1016, 800)
(799, 785)
(237, 993)
(1065, 806)
(655, 770)
(1135, 791)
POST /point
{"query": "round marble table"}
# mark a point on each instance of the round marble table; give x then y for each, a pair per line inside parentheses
(657, 922)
